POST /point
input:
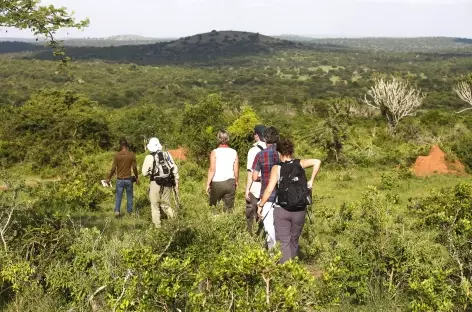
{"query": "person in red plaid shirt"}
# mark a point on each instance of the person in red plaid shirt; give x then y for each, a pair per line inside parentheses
(263, 163)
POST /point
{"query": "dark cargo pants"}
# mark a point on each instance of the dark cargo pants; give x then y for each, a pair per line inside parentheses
(223, 190)
(251, 211)
(288, 227)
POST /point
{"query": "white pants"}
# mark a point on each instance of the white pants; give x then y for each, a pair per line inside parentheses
(268, 217)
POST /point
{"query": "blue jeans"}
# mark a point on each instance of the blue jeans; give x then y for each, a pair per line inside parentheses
(120, 186)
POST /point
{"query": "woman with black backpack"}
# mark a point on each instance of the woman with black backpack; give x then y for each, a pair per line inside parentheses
(293, 196)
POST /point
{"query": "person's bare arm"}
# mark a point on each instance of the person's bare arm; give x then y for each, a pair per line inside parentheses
(236, 170)
(269, 189)
(315, 163)
(211, 170)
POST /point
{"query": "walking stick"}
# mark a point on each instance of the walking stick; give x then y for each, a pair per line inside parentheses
(261, 223)
(176, 197)
(310, 205)
(308, 213)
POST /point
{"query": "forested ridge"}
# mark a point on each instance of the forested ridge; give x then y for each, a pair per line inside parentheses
(380, 238)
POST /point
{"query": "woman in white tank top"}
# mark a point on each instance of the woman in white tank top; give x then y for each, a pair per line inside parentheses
(223, 173)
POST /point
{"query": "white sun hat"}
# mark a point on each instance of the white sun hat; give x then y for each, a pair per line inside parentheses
(154, 145)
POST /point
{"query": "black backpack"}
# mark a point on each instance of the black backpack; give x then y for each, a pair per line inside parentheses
(292, 192)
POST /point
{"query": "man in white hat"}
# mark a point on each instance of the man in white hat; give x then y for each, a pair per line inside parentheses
(164, 176)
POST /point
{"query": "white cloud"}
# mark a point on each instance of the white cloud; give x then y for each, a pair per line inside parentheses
(176, 18)
(417, 1)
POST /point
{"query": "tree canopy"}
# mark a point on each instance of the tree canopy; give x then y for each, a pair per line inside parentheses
(41, 20)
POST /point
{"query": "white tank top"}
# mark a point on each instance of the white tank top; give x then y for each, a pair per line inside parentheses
(225, 158)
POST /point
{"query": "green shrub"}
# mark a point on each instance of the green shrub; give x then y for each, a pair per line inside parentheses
(448, 213)
(462, 147)
(200, 125)
(389, 181)
(53, 127)
(241, 132)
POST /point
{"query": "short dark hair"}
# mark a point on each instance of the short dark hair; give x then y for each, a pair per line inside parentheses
(123, 143)
(271, 135)
(285, 147)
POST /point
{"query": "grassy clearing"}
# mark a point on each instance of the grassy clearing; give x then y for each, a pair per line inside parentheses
(303, 77)
(343, 186)
(332, 188)
(326, 68)
(335, 79)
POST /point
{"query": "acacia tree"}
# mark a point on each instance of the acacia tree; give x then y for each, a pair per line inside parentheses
(395, 98)
(464, 91)
(42, 20)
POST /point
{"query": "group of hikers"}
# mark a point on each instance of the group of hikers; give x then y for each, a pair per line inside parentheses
(277, 191)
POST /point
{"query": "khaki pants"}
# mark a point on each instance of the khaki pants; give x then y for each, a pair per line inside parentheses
(160, 198)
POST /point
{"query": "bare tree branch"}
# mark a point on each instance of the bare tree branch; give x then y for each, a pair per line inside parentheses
(463, 110)
(4, 228)
(395, 98)
(7, 222)
(267, 281)
(128, 275)
(464, 91)
(90, 300)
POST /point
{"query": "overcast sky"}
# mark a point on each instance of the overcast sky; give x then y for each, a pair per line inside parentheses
(321, 18)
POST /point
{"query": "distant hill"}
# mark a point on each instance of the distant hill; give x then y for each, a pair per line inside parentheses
(225, 38)
(129, 38)
(196, 48)
(201, 48)
(294, 38)
(224, 44)
(386, 44)
(119, 40)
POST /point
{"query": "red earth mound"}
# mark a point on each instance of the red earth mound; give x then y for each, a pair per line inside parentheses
(179, 154)
(436, 163)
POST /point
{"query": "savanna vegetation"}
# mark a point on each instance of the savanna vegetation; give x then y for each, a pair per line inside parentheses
(378, 239)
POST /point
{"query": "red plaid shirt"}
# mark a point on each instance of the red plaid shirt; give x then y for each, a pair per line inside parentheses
(263, 163)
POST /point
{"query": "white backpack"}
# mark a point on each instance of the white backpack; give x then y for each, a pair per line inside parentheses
(162, 165)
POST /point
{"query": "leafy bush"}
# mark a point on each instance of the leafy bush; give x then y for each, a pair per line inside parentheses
(241, 132)
(389, 181)
(139, 123)
(53, 126)
(448, 213)
(200, 125)
(181, 267)
(462, 147)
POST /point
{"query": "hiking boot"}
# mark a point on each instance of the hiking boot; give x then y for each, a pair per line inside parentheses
(117, 214)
